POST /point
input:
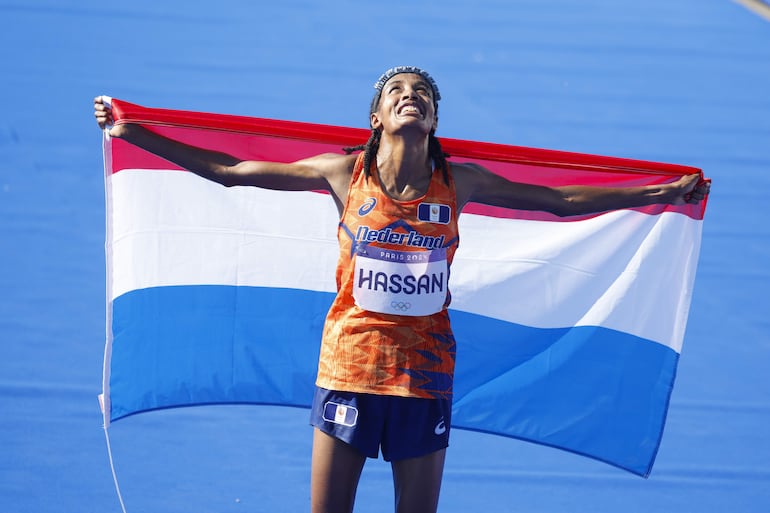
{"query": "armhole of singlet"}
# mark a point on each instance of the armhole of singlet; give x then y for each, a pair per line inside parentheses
(357, 170)
(452, 190)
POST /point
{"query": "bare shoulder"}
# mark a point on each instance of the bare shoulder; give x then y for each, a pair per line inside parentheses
(331, 163)
(336, 170)
(468, 170)
(468, 176)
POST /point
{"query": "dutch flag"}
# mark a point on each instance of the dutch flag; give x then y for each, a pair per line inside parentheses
(568, 330)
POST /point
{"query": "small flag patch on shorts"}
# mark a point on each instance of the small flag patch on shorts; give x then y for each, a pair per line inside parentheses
(342, 414)
(434, 213)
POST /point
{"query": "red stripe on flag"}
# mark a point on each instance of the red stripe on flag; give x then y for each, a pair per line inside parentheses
(287, 141)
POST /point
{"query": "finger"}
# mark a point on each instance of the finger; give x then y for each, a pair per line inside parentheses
(103, 119)
(696, 196)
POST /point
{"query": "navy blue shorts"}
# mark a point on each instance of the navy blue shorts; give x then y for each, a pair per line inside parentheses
(403, 427)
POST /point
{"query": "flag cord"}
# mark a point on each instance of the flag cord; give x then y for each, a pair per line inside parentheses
(112, 467)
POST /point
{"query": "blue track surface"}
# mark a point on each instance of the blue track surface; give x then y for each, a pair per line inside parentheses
(685, 82)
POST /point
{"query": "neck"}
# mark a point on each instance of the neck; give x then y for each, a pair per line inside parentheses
(403, 165)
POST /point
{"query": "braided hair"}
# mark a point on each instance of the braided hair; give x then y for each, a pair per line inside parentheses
(373, 144)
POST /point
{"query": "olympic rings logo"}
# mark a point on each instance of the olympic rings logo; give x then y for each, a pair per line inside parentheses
(402, 306)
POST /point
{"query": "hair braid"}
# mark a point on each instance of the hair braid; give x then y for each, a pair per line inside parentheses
(369, 149)
(439, 157)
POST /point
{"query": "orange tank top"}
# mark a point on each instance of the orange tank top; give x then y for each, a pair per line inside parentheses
(388, 330)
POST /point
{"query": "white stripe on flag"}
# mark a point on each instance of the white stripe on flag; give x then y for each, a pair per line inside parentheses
(624, 270)
(174, 228)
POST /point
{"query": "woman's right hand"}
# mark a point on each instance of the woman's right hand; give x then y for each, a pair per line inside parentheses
(102, 113)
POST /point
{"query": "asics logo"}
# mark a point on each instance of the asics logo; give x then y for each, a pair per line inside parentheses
(440, 428)
(367, 206)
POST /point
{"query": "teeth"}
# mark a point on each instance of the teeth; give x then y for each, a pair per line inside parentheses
(410, 109)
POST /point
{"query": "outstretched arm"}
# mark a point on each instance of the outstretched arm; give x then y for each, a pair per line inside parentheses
(478, 184)
(328, 172)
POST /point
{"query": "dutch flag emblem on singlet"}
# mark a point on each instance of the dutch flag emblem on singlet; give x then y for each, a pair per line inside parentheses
(433, 213)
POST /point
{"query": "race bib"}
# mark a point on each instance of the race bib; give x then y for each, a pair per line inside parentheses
(410, 283)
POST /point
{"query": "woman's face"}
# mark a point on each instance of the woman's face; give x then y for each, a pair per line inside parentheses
(406, 102)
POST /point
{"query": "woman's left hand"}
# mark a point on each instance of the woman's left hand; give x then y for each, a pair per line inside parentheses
(690, 189)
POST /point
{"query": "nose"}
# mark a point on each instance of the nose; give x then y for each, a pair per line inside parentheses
(409, 92)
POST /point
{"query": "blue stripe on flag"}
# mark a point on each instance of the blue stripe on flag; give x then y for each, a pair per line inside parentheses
(213, 343)
(589, 390)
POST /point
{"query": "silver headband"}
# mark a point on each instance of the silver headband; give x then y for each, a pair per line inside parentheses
(407, 69)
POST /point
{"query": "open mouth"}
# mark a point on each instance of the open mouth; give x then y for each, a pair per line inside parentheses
(410, 109)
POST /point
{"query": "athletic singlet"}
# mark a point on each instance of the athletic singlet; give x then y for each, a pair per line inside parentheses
(388, 330)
